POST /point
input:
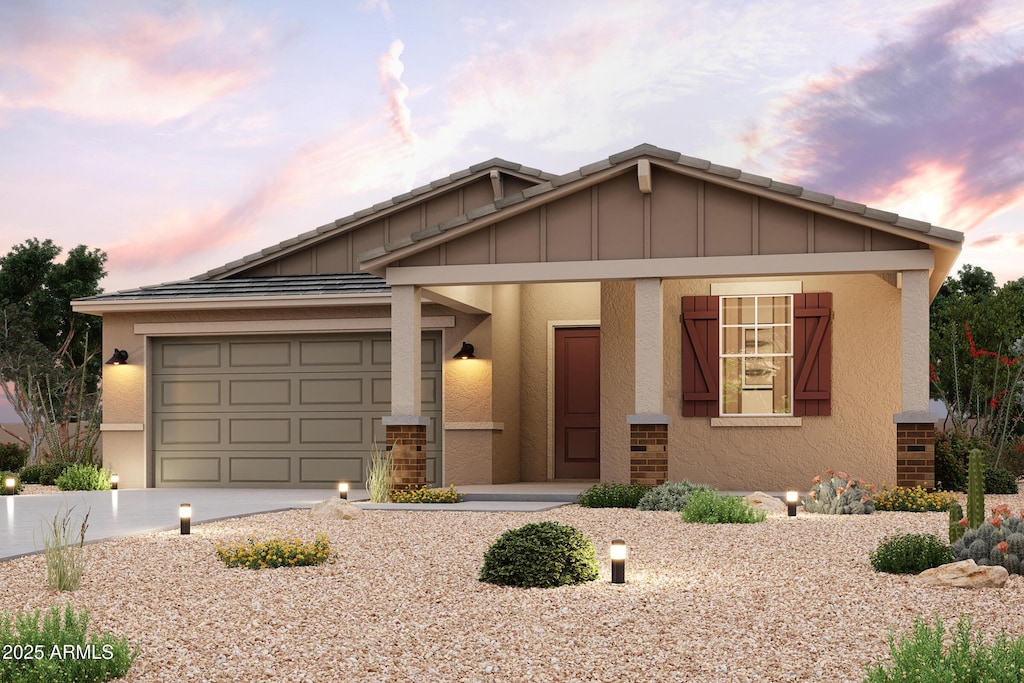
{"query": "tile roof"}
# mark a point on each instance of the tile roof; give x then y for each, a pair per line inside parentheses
(274, 285)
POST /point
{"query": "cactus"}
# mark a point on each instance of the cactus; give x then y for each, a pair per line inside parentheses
(991, 545)
(975, 489)
(838, 494)
(956, 513)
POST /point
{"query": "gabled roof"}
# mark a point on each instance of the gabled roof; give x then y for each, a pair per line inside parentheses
(386, 207)
(700, 168)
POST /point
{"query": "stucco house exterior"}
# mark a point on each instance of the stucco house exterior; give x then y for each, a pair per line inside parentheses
(649, 316)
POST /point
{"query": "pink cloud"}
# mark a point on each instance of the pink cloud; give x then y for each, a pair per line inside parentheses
(930, 125)
(389, 71)
(133, 67)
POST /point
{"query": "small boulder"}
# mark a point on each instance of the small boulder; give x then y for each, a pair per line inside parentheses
(965, 574)
(336, 508)
(760, 500)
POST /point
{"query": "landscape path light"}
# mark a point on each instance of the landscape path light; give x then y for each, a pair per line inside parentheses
(185, 515)
(114, 479)
(618, 555)
(792, 498)
(343, 490)
(10, 484)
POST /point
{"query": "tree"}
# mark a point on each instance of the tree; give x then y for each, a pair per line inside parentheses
(46, 350)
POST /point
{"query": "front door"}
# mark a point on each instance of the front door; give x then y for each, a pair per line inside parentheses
(578, 403)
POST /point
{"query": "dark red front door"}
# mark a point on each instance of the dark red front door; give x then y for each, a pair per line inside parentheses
(578, 403)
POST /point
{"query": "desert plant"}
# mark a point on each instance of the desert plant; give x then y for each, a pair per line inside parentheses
(837, 493)
(913, 499)
(36, 652)
(84, 477)
(30, 474)
(999, 541)
(540, 555)
(612, 495)
(51, 471)
(910, 554)
(19, 486)
(956, 516)
(671, 496)
(64, 551)
(975, 490)
(952, 449)
(274, 553)
(1000, 481)
(922, 658)
(426, 495)
(12, 456)
(710, 507)
(380, 472)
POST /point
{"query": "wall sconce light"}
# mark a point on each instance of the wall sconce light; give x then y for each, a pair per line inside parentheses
(10, 484)
(465, 353)
(343, 490)
(185, 515)
(114, 479)
(618, 555)
(119, 357)
(792, 498)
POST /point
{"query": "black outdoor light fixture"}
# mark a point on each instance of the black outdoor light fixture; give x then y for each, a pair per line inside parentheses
(185, 515)
(465, 353)
(792, 498)
(119, 357)
(114, 479)
(343, 490)
(618, 555)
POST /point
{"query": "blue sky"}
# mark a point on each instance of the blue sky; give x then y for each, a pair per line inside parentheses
(181, 135)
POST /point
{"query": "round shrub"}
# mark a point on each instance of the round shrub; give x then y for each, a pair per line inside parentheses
(999, 480)
(612, 495)
(671, 496)
(910, 554)
(84, 478)
(12, 456)
(710, 507)
(30, 473)
(18, 487)
(951, 450)
(540, 555)
(51, 471)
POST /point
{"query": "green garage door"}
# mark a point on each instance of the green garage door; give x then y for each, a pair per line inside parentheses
(278, 411)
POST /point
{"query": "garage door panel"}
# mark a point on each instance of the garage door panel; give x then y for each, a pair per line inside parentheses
(249, 431)
(263, 392)
(177, 356)
(195, 469)
(326, 471)
(187, 393)
(185, 431)
(343, 391)
(259, 354)
(331, 353)
(263, 470)
(332, 430)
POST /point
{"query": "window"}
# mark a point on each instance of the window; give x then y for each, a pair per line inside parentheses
(757, 355)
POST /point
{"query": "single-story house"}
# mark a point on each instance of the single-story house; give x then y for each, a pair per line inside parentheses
(649, 316)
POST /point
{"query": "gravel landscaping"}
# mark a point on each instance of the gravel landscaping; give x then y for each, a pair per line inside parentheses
(790, 599)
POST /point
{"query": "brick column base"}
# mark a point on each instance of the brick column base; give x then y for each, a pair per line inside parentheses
(915, 454)
(648, 454)
(408, 446)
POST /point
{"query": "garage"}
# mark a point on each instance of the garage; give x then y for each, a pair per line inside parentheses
(278, 411)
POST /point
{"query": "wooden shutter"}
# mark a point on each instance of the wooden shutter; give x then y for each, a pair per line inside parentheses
(812, 353)
(700, 356)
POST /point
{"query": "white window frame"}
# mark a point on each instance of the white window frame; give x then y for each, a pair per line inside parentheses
(722, 356)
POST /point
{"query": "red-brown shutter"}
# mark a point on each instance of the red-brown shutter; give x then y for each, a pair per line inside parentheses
(700, 356)
(812, 353)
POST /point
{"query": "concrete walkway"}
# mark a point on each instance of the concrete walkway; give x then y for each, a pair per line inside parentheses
(113, 514)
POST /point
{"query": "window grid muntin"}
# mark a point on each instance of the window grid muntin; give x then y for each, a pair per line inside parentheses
(754, 326)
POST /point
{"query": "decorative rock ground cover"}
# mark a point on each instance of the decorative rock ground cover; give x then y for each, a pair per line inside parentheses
(789, 599)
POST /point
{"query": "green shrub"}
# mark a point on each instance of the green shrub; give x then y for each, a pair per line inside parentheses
(923, 659)
(426, 495)
(276, 553)
(838, 493)
(951, 450)
(910, 554)
(60, 649)
(30, 474)
(84, 478)
(612, 495)
(710, 507)
(51, 471)
(12, 456)
(670, 496)
(63, 551)
(540, 555)
(999, 480)
(18, 487)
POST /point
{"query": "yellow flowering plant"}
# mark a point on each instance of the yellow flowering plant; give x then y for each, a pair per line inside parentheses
(426, 495)
(276, 552)
(913, 499)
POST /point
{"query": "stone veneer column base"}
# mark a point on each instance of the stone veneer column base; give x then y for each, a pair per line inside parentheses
(408, 446)
(915, 454)
(648, 454)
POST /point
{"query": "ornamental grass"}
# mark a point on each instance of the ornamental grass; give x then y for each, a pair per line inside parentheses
(913, 499)
(276, 552)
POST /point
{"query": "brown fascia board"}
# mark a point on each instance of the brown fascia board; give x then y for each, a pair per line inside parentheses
(377, 211)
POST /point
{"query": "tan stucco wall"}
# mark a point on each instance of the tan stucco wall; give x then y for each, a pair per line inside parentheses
(506, 375)
(540, 305)
(859, 436)
(467, 399)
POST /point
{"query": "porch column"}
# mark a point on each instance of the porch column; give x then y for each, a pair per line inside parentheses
(648, 427)
(915, 426)
(406, 428)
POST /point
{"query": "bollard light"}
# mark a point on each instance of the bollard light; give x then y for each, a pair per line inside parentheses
(792, 498)
(185, 515)
(618, 555)
(343, 490)
(113, 482)
(10, 484)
